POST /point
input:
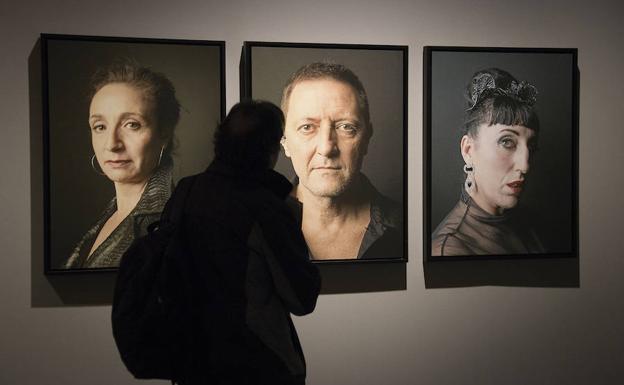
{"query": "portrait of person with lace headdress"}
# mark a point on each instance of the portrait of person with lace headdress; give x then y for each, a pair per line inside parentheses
(499, 136)
(500, 208)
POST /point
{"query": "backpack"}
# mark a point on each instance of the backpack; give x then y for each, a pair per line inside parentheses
(152, 303)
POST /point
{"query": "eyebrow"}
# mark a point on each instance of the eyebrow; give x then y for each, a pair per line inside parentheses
(510, 130)
(124, 115)
(308, 119)
(340, 119)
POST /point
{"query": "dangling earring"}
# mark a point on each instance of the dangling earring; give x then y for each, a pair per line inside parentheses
(469, 184)
(93, 166)
(160, 156)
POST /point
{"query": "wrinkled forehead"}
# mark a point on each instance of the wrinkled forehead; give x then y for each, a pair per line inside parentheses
(323, 96)
(120, 95)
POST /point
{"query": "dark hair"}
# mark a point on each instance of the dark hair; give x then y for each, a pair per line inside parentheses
(494, 96)
(326, 70)
(249, 135)
(156, 87)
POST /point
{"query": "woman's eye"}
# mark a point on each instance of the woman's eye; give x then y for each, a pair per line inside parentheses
(133, 125)
(98, 127)
(507, 143)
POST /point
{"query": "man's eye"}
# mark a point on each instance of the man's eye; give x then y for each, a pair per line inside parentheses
(347, 128)
(305, 128)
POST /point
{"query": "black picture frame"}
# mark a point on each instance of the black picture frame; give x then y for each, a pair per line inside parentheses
(75, 195)
(551, 196)
(265, 68)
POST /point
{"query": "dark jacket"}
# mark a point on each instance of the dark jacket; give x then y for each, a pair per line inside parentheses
(252, 269)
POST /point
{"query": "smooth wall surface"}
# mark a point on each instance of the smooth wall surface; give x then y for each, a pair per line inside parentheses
(471, 335)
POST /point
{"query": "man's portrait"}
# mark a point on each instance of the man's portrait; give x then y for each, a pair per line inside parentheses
(124, 120)
(342, 149)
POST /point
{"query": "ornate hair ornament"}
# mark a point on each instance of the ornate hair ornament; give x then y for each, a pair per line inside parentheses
(484, 86)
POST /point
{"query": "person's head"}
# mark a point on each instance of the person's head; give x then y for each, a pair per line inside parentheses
(248, 138)
(327, 127)
(132, 115)
(499, 136)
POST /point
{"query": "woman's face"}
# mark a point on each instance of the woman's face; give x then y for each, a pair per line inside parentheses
(123, 133)
(500, 156)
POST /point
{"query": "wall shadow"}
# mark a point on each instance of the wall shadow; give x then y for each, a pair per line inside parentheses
(544, 272)
(362, 277)
(77, 289)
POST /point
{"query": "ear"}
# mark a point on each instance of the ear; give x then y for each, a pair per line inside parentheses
(466, 148)
(284, 143)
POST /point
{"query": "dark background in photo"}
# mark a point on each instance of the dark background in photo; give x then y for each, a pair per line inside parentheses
(78, 195)
(549, 189)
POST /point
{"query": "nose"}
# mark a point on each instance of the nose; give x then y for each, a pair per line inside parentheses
(327, 145)
(114, 141)
(522, 159)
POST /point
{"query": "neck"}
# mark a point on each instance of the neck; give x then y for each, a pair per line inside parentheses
(128, 195)
(484, 205)
(332, 210)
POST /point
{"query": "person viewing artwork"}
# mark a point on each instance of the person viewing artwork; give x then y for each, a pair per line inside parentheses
(326, 137)
(498, 140)
(132, 117)
(251, 266)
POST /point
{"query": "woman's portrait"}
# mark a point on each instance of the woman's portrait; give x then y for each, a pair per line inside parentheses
(132, 117)
(126, 119)
(507, 119)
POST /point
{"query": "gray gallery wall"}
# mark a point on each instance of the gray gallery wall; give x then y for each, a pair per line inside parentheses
(470, 335)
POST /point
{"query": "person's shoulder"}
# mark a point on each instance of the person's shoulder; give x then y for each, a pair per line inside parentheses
(447, 245)
(447, 240)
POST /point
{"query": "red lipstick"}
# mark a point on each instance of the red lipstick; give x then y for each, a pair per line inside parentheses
(516, 186)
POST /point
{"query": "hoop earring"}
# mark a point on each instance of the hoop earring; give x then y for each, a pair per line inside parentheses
(162, 149)
(93, 166)
(469, 184)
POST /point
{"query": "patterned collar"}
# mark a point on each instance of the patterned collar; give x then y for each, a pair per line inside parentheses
(109, 252)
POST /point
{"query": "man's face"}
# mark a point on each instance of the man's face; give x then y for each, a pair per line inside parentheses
(325, 135)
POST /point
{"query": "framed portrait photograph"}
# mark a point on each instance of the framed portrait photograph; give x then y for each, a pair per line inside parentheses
(501, 153)
(123, 120)
(344, 143)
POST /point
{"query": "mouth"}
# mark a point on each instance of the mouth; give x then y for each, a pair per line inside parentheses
(516, 186)
(117, 163)
(326, 168)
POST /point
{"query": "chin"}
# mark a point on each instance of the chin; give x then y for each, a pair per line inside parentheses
(509, 203)
(327, 190)
(125, 177)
